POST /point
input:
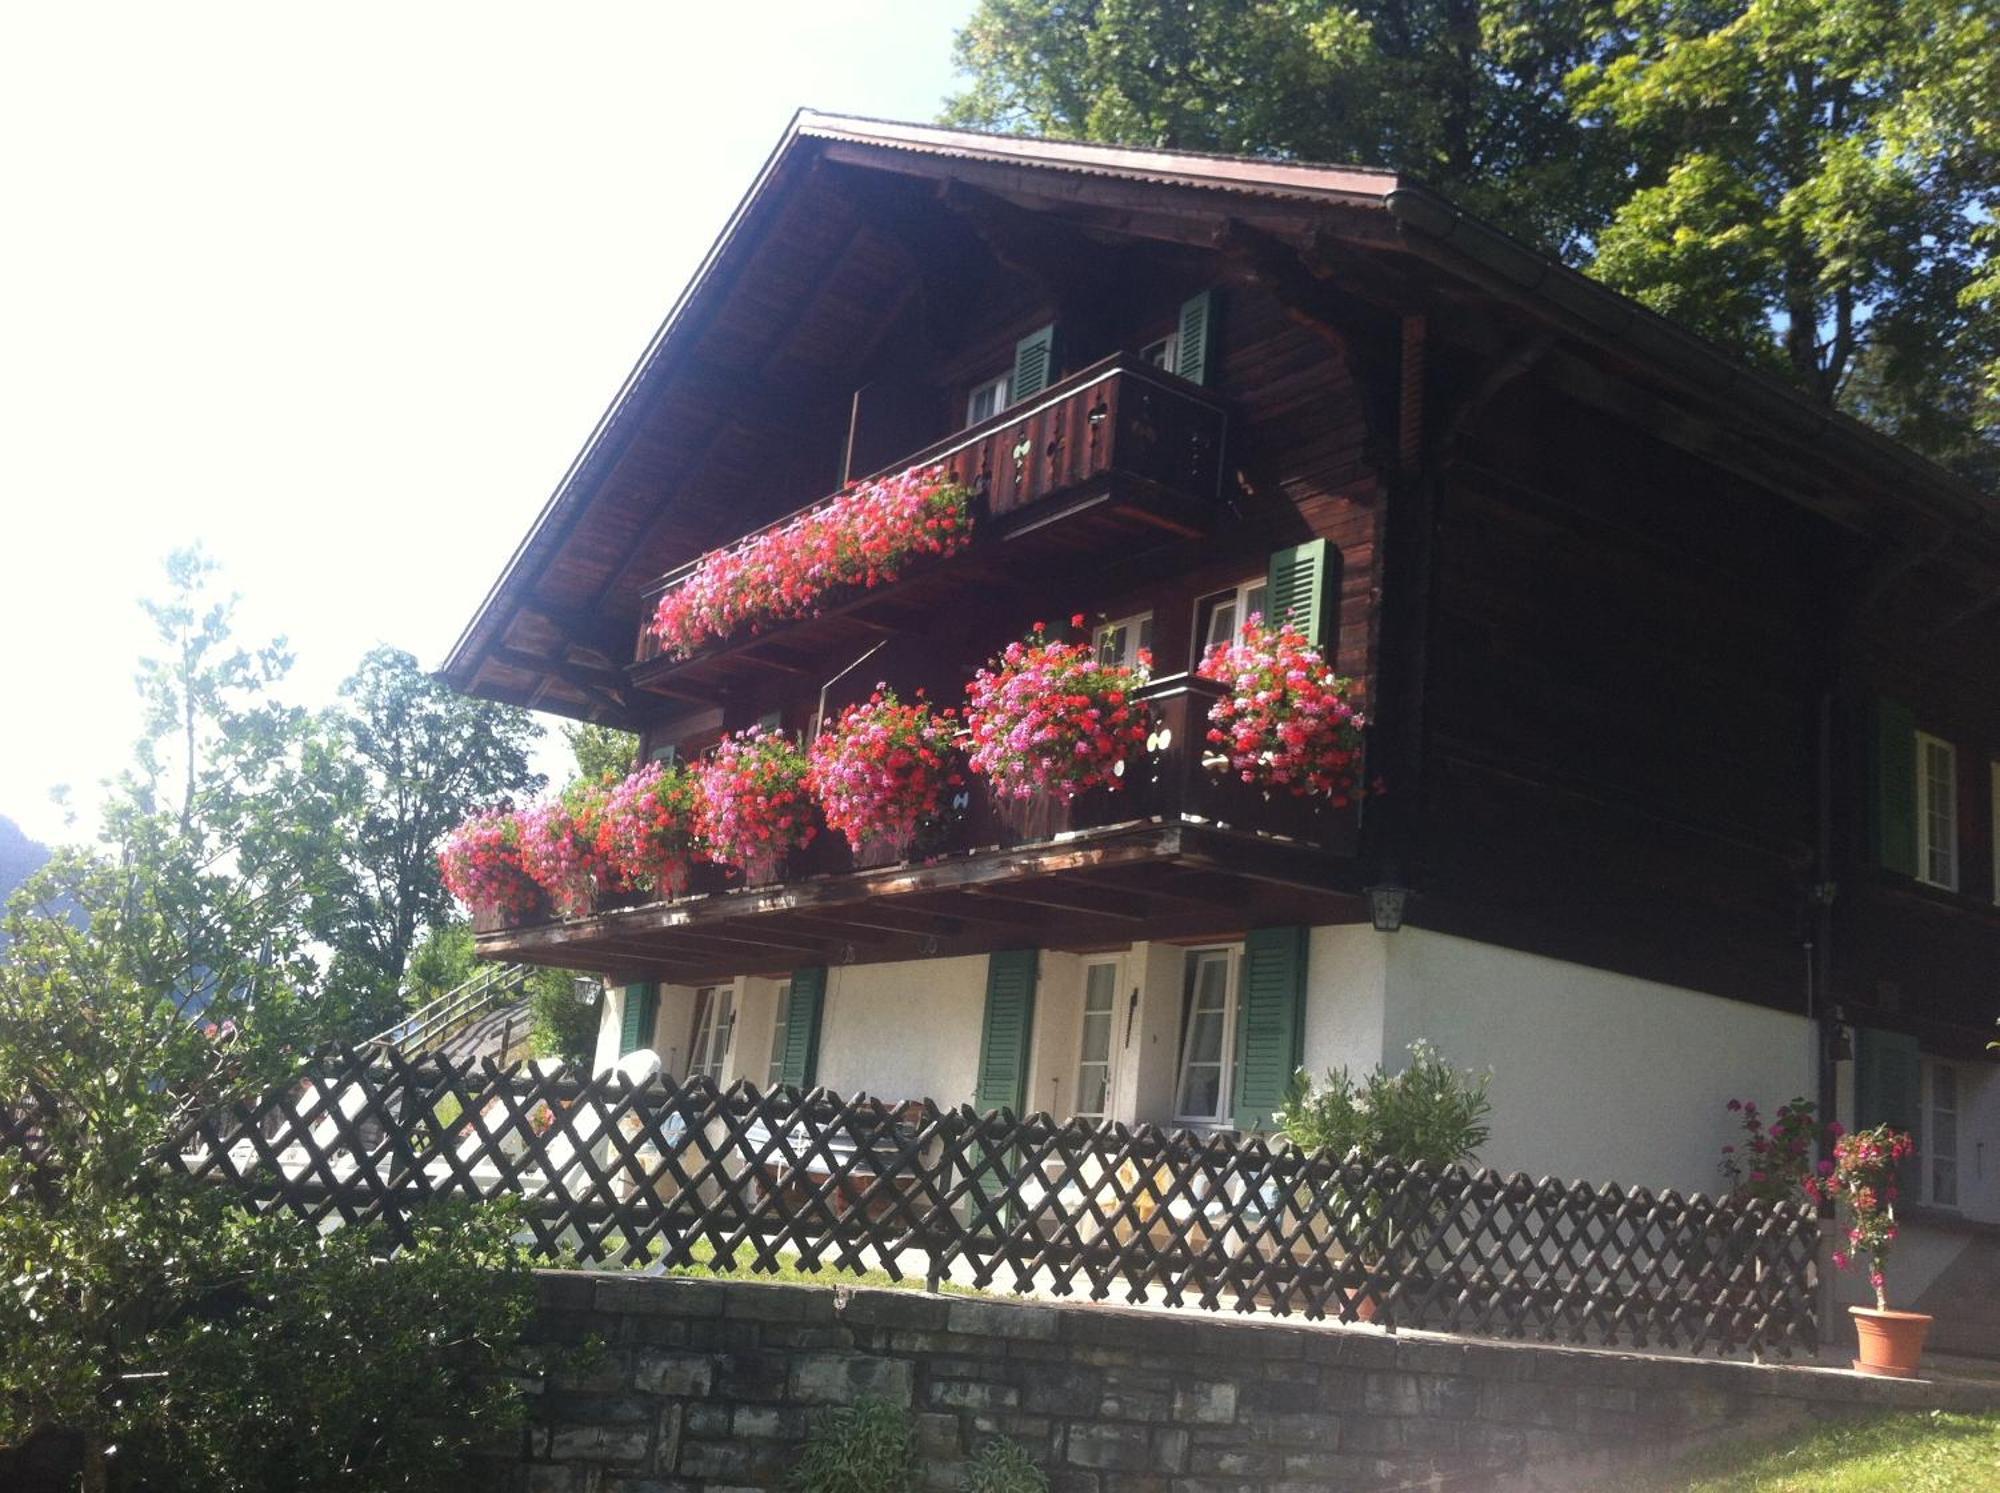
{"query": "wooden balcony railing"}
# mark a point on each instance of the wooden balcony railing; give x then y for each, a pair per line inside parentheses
(1119, 425)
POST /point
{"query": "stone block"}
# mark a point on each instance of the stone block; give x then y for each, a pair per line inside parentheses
(973, 1394)
(769, 1423)
(775, 1303)
(675, 1374)
(843, 1378)
(754, 1376)
(1170, 1449)
(1526, 1402)
(1003, 1319)
(1206, 1402)
(913, 1310)
(715, 1461)
(710, 1422)
(628, 1444)
(1121, 1448)
(938, 1437)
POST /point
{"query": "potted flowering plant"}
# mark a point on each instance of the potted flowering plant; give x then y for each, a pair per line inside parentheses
(648, 827)
(862, 538)
(1862, 1179)
(881, 770)
(560, 848)
(754, 804)
(1049, 721)
(1286, 721)
(481, 864)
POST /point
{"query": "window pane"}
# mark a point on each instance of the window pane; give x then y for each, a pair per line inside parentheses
(1111, 643)
(1201, 1093)
(1093, 1091)
(1255, 599)
(1221, 625)
(781, 1022)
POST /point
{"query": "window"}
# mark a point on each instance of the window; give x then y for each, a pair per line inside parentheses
(1220, 618)
(781, 1025)
(986, 400)
(1208, 1038)
(1166, 353)
(1937, 812)
(1093, 1061)
(1937, 1135)
(714, 1016)
(1122, 641)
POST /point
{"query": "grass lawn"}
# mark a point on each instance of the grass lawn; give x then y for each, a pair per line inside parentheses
(1914, 1452)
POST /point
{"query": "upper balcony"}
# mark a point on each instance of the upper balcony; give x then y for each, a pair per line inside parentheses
(1118, 450)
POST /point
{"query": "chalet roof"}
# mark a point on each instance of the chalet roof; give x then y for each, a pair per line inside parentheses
(570, 589)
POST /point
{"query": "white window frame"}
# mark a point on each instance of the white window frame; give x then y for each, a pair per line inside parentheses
(1110, 1061)
(714, 1026)
(997, 387)
(1929, 1113)
(1225, 1089)
(1169, 350)
(1138, 638)
(1937, 863)
(1239, 600)
(781, 1022)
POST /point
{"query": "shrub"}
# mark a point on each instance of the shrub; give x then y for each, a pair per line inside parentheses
(1002, 1466)
(563, 1026)
(869, 1447)
(1771, 1164)
(1430, 1112)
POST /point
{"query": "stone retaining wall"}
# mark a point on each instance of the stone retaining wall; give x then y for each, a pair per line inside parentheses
(714, 1385)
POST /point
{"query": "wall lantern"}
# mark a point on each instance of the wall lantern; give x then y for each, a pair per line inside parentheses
(1385, 906)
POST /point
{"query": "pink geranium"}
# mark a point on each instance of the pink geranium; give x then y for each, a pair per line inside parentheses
(754, 807)
(481, 865)
(862, 538)
(1047, 718)
(1863, 1181)
(1773, 1163)
(561, 851)
(648, 827)
(882, 768)
(1285, 721)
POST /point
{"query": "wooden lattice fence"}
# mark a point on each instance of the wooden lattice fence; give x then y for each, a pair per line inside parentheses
(743, 1179)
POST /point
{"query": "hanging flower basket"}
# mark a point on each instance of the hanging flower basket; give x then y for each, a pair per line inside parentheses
(648, 831)
(560, 849)
(1287, 723)
(881, 771)
(481, 865)
(861, 539)
(1049, 721)
(755, 806)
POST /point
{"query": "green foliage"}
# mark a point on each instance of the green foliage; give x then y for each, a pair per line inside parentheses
(1938, 1451)
(407, 758)
(1815, 183)
(444, 959)
(601, 751)
(869, 1447)
(1429, 1112)
(1002, 1466)
(564, 1027)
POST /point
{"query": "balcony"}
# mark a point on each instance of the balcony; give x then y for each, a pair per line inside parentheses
(1182, 850)
(1117, 452)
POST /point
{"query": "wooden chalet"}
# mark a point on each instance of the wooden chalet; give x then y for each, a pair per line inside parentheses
(1682, 689)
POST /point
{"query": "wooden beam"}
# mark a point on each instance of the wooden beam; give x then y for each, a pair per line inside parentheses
(1089, 901)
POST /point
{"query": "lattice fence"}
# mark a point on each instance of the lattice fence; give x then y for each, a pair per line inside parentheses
(744, 1179)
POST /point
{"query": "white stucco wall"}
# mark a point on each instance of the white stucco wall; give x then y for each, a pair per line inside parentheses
(908, 1030)
(1346, 976)
(1596, 1076)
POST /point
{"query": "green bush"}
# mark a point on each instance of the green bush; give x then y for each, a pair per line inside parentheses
(563, 1026)
(870, 1447)
(1003, 1466)
(1429, 1112)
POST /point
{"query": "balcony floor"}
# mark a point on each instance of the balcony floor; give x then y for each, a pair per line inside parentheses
(1088, 889)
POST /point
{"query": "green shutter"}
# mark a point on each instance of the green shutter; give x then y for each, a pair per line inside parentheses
(802, 1027)
(642, 1005)
(1272, 1019)
(1034, 364)
(1885, 1079)
(1299, 582)
(1009, 1024)
(1892, 788)
(1197, 316)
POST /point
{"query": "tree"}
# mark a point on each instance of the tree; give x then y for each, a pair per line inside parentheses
(409, 758)
(1467, 94)
(600, 751)
(1810, 178)
(1811, 182)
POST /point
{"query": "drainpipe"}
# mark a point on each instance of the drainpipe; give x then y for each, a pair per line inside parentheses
(1820, 1006)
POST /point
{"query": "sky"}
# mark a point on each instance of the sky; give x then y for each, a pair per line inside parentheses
(337, 292)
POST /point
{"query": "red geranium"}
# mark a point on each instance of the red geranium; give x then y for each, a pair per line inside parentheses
(1862, 1177)
(754, 805)
(1048, 718)
(560, 849)
(481, 863)
(882, 768)
(862, 538)
(647, 828)
(1287, 721)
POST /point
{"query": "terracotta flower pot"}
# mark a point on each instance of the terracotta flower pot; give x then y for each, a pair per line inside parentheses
(1892, 1343)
